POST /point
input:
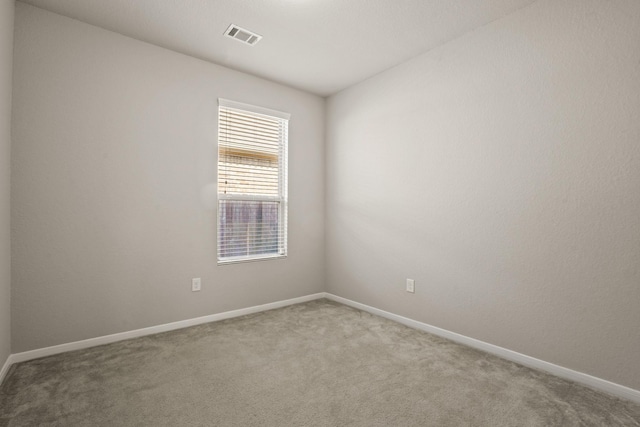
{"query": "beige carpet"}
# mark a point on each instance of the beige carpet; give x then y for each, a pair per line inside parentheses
(313, 364)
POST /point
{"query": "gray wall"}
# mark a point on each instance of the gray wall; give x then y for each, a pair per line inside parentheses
(6, 61)
(501, 171)
(114, 185)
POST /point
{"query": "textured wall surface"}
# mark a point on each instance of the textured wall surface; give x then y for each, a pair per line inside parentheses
(501, 171)
(114, 185)
(6, 61)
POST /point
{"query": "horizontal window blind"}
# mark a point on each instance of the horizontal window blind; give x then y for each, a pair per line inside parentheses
(252, 182)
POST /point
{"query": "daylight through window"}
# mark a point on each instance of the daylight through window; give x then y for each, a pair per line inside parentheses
(252, 182)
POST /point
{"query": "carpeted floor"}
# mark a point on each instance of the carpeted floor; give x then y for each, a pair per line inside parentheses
(313, 364)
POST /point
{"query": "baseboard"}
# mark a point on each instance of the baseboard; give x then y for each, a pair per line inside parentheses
(532, 362)
(108, 339)
(5, 368)
(579, 377)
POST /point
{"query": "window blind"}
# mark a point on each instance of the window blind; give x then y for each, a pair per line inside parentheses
(252, 182)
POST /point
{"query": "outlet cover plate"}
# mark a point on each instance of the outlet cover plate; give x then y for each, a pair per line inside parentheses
(411, 286)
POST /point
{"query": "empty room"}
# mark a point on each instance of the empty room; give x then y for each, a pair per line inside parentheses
(319, 213)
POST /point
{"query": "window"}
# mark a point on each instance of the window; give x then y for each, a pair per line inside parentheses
(252, 182)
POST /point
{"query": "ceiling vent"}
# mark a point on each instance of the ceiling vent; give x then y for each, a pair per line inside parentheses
(242, 35)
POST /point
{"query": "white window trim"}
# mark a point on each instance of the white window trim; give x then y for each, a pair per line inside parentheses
(282, 199)
(253, 108)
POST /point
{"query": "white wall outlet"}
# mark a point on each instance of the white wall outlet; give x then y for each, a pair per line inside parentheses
(411, 286)
(196, 284)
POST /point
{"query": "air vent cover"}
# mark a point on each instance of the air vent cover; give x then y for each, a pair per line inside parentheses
(242, 35)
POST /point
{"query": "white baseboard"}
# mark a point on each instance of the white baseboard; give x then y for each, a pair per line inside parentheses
(579, 377)
(107, 339)
(532, 362)
(5, 368)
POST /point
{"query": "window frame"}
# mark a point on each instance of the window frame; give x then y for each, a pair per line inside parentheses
(283, 181)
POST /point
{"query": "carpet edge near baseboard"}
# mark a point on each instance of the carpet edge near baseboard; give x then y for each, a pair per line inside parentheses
(531, 362)
(513, 356)
(151, 330)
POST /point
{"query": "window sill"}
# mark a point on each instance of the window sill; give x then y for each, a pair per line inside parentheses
(237, 260)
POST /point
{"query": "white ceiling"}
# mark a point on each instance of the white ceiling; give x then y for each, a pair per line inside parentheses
(321, 46)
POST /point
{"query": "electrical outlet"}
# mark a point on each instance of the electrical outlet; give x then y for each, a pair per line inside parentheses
(196, 284)
(411, 286)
